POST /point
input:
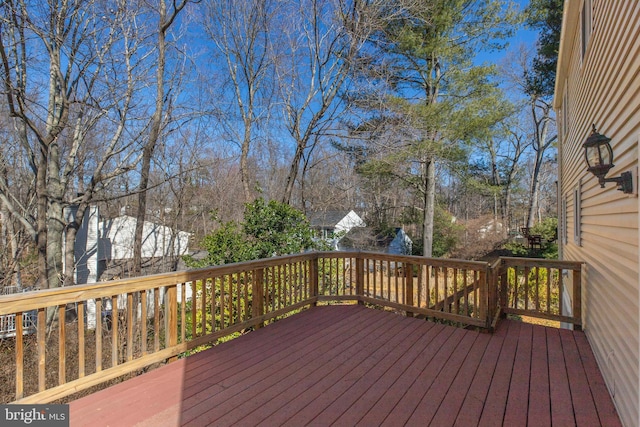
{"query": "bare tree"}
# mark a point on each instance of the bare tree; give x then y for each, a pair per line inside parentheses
(166, 16)
(505, 151)
(330, 182)
(14, 242)
(322, 41)
(511, 158)
(541, 128)
(241, 32)
(55, 111)
(543, 125)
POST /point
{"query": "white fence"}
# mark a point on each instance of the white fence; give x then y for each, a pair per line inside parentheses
(8, 321)
(8, 324)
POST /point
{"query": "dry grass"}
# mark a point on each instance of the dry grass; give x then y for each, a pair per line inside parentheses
(542, 322)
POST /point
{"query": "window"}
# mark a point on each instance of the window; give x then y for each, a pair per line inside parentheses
(577, 214)
(563, 221)
(585, 25)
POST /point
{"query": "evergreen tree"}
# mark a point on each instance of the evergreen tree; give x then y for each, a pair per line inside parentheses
(539, 83)
(545, 16)
(428, 95)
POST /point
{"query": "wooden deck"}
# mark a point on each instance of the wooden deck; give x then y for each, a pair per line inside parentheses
(350, 365)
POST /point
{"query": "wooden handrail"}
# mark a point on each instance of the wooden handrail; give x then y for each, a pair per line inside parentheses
(234, 297)
(535, 287)
(540, 262)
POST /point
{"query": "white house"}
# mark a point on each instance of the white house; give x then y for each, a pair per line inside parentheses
(332, 226)
(117, 235)
(112, 239)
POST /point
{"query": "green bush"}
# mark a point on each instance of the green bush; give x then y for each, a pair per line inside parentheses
(548, 229)
(517, 249)
(268, 229)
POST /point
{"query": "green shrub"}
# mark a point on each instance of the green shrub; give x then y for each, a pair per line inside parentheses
(268, 229)
(517, 249)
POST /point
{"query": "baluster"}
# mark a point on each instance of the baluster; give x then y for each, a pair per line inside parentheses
(19, 356)
(81, 340)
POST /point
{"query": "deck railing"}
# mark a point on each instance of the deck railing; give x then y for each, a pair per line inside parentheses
(89, 334)
(446, 289)
(546, 289)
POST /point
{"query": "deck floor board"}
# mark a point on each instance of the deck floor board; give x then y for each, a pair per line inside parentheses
(476, 395)
(562, 412)
(453, 400)
(518, 394)
(252, 377)
(498, 394)
(539, 409)
(350, 365)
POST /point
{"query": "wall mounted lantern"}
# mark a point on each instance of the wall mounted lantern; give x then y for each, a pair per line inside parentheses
(599, 157)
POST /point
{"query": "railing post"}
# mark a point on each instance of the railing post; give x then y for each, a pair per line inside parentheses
(408, 288)
(484, 298)
(257, 306)
(577, 298)
(360, 278)
(171, 315)
(504, 278)
(491, 290)
(313, 278)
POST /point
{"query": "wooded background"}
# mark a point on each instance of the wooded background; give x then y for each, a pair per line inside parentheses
(181, 112)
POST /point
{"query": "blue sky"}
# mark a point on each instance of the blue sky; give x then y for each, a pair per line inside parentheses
(522, 36)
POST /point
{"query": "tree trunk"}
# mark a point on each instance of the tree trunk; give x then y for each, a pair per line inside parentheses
(149, 148)
(540, 145)
(73, 226)
(432, 93)
(498, 203)
(136, 268)
(429, 200)
(507, 208)
(244, 161)
(41, 225)
(11, 239)
(69, 253)
(534, 189)
(293, 173)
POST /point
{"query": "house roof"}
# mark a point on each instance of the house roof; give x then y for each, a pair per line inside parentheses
(327, 219)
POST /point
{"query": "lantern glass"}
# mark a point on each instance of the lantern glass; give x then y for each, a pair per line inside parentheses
(606, 154)
(593, 156)
(598, 154)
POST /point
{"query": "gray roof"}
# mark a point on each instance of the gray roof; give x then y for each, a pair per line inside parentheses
(326, 219)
